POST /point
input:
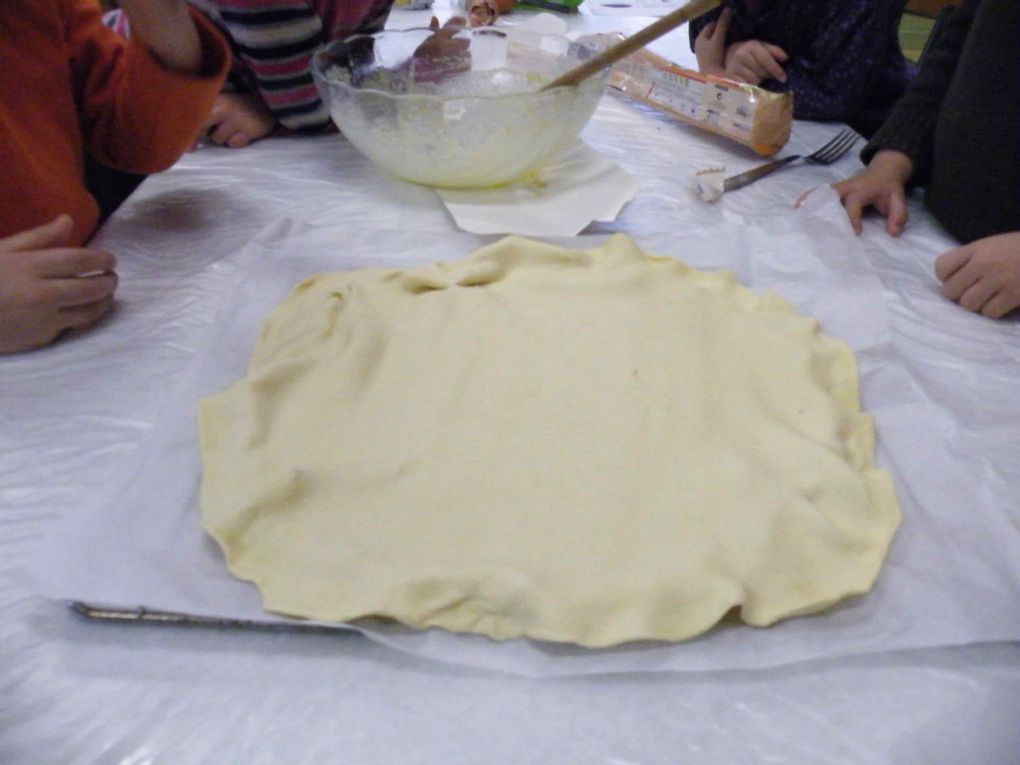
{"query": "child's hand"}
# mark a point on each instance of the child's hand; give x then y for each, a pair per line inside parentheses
(46, 287)
(167, 30)
(442, 53)
(880, 185)
(983, 276)
(710, 45)
(237, 119)
(753, 61)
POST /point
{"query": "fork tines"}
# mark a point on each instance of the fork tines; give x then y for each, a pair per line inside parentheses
(834, 149)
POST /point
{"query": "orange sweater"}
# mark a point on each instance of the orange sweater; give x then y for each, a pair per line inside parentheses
(67, 84)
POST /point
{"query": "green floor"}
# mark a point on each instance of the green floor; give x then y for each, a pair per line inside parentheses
(914, 31)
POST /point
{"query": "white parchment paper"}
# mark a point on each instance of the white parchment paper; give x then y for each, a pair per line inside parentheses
(578, 188)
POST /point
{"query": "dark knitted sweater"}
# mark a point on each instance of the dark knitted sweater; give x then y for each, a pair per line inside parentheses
(845, 59)
(960, 121)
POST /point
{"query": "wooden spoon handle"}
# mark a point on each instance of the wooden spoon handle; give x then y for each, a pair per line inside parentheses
(628, 45)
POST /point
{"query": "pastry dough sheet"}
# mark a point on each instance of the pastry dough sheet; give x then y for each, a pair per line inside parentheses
(587, 446)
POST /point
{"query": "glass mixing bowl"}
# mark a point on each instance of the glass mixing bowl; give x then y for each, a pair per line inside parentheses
(456, 108)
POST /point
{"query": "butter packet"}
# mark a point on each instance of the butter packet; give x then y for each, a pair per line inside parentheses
(755, 117)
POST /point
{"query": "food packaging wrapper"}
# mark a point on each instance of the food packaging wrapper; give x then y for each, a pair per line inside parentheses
(747, 114)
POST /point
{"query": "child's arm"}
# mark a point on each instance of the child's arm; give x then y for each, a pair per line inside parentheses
(166, 28)
(901, 151)
(276, 41)
(278, 56)
(47, 287)
(831, 80)
(143, 102)
(910, 128)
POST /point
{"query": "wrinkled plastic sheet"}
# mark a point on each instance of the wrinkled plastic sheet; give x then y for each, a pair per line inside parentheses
(115, 554)
(80, 421)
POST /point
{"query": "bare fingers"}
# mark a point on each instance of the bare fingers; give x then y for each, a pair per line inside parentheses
(81, 317)
(239, 140)
(44, 292)
(961, 280)
(766, 64)
(232, 135)
(861, 192)
(1001, 303)
(893, 205)
(777, 53)
(978, 294)
(754, 61)
(69, 262)
(950, 262)
(991, 296)
(68, 293)
(898, 215)
(240, 119)
(983, 276)
(222, 132)
(853, 203)
(740, 71)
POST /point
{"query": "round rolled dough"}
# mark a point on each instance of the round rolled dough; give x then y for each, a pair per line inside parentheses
(590, 446)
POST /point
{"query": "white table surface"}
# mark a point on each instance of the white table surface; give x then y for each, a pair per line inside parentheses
(74, 419)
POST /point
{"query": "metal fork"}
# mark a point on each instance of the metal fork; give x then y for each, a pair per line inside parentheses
(833, 150)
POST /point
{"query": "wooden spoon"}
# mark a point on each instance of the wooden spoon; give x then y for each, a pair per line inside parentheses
(628, 45)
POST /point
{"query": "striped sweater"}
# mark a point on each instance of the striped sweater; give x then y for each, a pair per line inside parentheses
(273, 42)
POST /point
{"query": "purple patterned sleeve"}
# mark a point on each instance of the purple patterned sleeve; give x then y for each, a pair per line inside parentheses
(832, 79)
(845, 61)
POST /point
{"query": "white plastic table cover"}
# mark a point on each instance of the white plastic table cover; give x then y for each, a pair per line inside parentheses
(78, 419)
